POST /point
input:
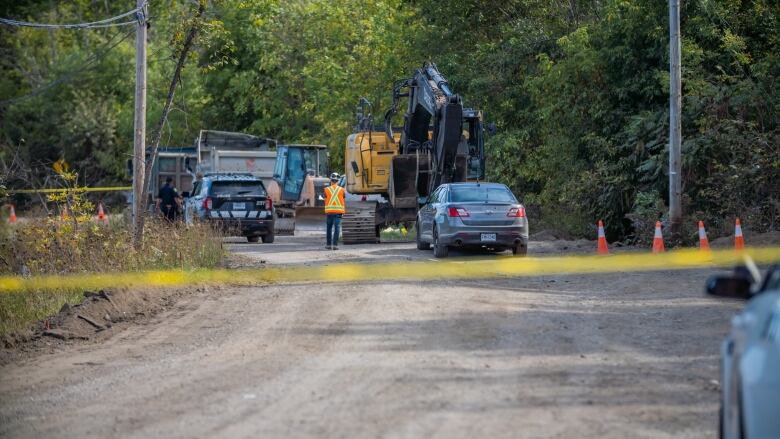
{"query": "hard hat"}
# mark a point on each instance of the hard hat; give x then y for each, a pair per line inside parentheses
(334, 176)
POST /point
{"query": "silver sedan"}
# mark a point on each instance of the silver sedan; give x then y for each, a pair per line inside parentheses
(750, 356)
(483, 215)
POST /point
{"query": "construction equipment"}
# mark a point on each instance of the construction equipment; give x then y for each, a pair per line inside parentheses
(294, 175)
(440, 142)
(299, 180)
(226, 152)
(171, 162)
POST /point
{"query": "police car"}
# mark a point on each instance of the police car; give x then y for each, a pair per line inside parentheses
(235, 203)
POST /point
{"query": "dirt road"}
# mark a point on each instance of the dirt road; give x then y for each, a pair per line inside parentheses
(628, 355)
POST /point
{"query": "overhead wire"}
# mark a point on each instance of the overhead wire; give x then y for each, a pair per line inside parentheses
(108, 22)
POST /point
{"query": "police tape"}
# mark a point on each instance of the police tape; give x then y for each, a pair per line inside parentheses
(81, 189)
(456, 268)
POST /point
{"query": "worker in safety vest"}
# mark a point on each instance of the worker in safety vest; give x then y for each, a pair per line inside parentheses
(334, 208)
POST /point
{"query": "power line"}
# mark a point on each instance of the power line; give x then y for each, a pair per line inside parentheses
(108, 22)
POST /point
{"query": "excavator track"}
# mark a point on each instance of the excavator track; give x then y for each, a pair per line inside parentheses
(358, 224)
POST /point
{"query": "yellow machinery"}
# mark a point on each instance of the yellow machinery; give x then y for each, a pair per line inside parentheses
(440, 142)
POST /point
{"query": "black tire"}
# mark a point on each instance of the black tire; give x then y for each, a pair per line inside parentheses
(520, 249)
(421, 245)
(439, 250)
(268, 238)
(253, 238)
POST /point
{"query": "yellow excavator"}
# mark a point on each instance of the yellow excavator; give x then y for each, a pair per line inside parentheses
(440, 142)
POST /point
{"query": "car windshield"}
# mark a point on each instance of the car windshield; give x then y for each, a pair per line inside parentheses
(246, 188)
(485, 194)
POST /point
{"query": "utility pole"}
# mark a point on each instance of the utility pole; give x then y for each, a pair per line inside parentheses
(675, 128)
(139, 132)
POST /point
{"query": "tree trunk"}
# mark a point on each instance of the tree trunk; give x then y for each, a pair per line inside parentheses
(188, 42)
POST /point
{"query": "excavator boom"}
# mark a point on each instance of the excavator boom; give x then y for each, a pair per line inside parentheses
(440, 142)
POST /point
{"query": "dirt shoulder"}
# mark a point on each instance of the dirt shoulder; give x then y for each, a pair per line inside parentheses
(617, 355)
(100, 316)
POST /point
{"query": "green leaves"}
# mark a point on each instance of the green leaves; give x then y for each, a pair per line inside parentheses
(578, 91)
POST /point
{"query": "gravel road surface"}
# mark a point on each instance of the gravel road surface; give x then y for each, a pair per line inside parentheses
(615, 356)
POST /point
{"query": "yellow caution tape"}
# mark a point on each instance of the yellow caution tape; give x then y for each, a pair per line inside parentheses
(456, 268)
(82, 189)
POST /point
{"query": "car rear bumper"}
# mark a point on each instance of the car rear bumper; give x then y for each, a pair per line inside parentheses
(244, 226)
(469, 238)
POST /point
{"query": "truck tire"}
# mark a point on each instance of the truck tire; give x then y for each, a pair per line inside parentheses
(439, 250)
(268, 238)
(421, 245)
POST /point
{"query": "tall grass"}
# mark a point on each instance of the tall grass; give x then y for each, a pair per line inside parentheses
(55, 246)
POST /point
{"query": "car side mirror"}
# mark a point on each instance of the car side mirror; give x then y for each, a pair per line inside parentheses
(185, 194)
(731, 286)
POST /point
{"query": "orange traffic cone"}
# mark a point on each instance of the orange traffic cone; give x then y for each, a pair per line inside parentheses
(602, 248)
(739, 241)
(12, 215)
(704, 243)
(658, 239)
(101, 214)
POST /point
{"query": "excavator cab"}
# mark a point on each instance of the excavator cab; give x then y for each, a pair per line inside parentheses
(299, 181)
(294, 163)
(289, 172)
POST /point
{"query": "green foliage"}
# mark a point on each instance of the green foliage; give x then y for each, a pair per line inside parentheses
(56, 247)
(578, 91)
(299, 67)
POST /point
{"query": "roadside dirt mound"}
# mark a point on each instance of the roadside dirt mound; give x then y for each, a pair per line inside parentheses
(767, 239)
(544, 235)
(99, 316)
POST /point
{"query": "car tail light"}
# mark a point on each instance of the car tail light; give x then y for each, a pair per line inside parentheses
(457, 212)
(207, 203)
(517, 212)
(269, 204)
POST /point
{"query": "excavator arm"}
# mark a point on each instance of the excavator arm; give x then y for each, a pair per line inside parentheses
(431, 104)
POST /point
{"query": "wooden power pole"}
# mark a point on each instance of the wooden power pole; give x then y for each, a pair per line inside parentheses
(139, 132)
(675, 128)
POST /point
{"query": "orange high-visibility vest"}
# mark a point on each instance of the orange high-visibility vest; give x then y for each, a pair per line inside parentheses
(334, 199)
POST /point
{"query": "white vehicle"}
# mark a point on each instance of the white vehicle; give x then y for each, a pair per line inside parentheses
(750, 356)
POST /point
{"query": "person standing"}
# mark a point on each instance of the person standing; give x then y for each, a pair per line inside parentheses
(168, 200)
(334, 209)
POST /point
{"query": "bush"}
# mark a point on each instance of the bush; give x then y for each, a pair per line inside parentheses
(52, 246)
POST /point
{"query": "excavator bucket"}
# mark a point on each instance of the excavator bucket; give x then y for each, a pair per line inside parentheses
(407, 180)
(309, 219)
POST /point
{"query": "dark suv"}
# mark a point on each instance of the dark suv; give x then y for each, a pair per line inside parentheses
(232, 202)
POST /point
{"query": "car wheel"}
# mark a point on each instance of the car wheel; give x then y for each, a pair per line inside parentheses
(520, 249)
(253, 238)
(268, 238)
(421, 245)
(439, 250)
